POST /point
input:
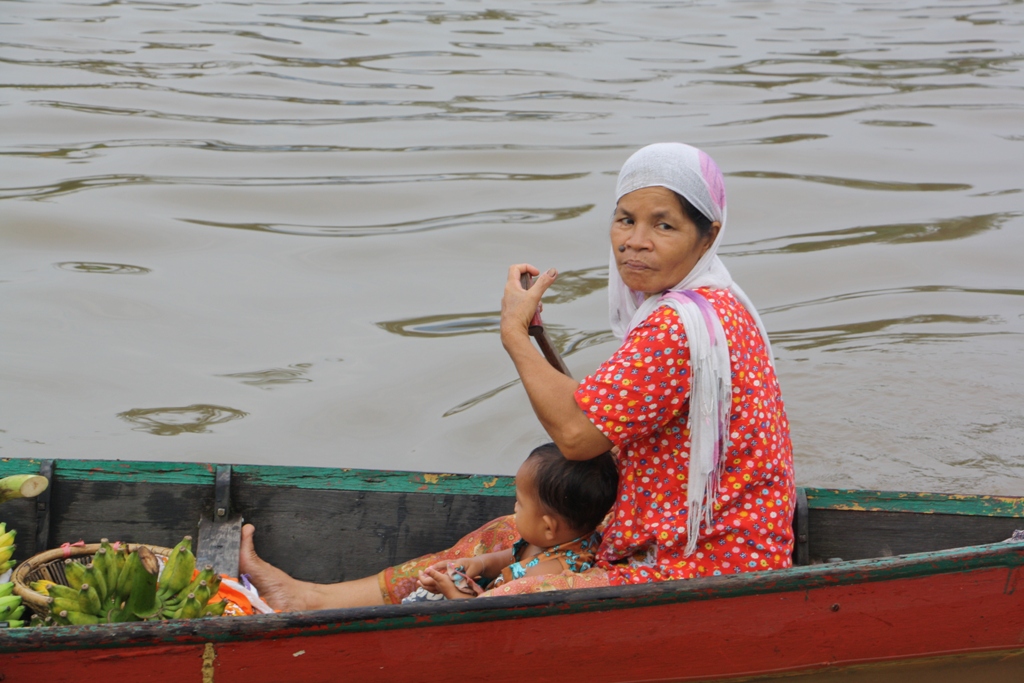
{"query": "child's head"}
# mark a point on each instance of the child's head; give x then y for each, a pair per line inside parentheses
(558, 500)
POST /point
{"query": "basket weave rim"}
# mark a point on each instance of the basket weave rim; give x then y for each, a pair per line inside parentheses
(38, 600)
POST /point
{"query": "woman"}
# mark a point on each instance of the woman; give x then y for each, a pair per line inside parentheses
(689, 403)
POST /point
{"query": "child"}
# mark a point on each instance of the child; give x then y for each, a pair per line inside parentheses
(559, 504)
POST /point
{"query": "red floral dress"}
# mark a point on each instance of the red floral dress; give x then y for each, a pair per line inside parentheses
(639, 399)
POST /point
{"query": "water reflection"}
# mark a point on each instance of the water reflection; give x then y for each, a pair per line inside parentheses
(897, 124)
(92, 150)
(193, 419)
(269, 379)
(855, 183)
(880, 333)
(921, 289)
(480, 398)
(72, 185)
(566, 341)
(102, 268)
(570, 285)
(500, 217)
(904, 233)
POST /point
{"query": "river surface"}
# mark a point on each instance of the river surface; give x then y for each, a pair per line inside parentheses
(278, 232)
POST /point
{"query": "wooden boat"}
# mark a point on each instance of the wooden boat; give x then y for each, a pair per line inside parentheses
(922, 578)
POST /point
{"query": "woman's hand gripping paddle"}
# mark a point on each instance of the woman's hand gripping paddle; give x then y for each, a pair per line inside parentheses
(537, 332)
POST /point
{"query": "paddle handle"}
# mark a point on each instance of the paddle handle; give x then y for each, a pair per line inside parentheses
(537, 332)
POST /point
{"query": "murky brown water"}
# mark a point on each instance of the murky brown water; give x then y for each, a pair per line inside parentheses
(277, 232)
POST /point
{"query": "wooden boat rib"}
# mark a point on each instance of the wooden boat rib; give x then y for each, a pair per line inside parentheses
(920, 576)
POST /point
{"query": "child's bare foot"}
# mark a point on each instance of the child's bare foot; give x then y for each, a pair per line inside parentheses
(276, 588)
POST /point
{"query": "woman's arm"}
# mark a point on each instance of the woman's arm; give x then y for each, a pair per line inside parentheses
(551, 393)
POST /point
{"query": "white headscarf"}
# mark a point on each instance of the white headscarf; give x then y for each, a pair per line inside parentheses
(692, 174)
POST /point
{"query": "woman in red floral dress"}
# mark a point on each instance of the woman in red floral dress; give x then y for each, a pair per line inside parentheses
(689, 404)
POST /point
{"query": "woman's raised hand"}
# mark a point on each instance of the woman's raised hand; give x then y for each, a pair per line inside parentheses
(518, 305)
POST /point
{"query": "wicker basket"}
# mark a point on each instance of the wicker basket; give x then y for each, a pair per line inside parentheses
(49, 565)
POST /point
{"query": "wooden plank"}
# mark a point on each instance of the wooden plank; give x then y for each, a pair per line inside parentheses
(922, 503)
(854, 535)
(126, 511)
(323, 478)
(326, 536)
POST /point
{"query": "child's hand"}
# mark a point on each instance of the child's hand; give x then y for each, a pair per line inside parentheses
(436, 580)
(470, 566)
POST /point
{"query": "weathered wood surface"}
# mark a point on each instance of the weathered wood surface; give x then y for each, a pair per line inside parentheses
(329, 536)
(855, 535)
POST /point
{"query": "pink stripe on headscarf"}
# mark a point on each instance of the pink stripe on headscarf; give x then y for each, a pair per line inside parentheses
(713, 177)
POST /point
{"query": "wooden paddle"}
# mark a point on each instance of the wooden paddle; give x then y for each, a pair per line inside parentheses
(537, 332)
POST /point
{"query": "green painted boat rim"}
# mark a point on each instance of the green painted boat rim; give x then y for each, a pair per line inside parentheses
(423, 615)
(396, 481)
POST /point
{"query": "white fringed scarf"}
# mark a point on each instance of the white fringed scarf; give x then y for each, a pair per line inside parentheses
(694, 175)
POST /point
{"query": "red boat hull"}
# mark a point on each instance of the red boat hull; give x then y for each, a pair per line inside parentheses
(702, 637)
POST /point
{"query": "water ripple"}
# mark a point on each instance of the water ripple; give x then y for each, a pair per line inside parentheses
(919, 289)
(449, 112)
(957, 228)
(879, 333)
(855, 183)
(102, 268)
(193, 419)
(274, 377)
(498, 217)
(107, 181)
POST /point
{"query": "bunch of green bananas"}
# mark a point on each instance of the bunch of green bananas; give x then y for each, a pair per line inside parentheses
(120, 586)
(11, 608)
(7, 547)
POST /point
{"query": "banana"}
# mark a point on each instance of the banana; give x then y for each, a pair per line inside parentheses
(109, 563)
(9, 608)
(3, 527)
(6, 589)
(41, 586)
(9, 564)
(215, 609)
(6, 552)
(80, 618)
(191, 607)
(120, 557)
(74, 572)
(113, 567)
(8, 537)
(58, 604)
(205, 575)
(11, 624)
(11, 601)
(99, 571)
(142, 596)
(124, 578)
(66, 592)
(178, 570)
(16, 614)
(97, 578)
(89, 599)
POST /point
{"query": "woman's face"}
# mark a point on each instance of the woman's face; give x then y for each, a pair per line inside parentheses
(661, 243)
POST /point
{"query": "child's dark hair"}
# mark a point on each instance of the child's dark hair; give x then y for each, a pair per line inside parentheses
(579, 491)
